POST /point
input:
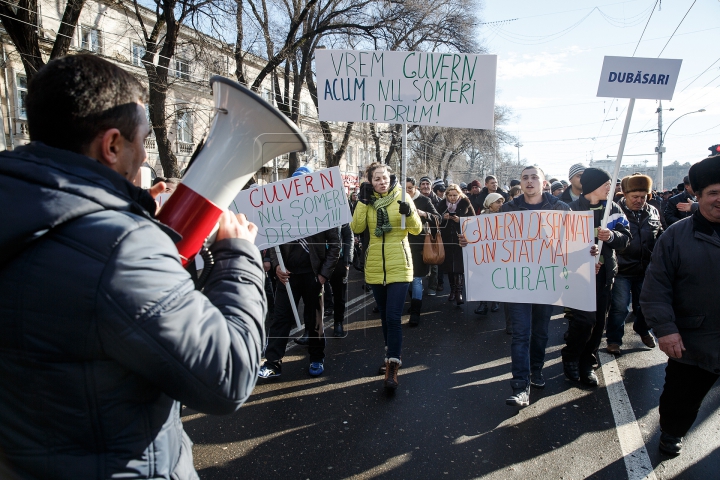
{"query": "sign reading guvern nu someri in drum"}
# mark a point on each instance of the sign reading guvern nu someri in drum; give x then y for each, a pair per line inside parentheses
(425, 88)
(531, 257)
(295, 208)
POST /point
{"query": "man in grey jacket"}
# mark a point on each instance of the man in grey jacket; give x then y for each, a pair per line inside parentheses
(103, 332)
(679, 300)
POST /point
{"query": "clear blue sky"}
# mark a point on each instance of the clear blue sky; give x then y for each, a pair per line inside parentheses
(549, 62)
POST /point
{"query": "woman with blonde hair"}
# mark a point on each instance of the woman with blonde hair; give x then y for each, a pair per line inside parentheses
(388, 261)
(454, 206)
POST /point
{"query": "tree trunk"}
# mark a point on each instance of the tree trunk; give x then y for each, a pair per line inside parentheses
(20, 23)
(67, 28)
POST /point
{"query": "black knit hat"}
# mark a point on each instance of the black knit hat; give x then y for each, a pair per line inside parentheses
(592, 179)
(705, 173)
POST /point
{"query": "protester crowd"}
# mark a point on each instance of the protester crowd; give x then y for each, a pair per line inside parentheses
(95, 369)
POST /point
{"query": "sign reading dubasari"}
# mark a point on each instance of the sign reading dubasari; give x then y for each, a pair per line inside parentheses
(424, 88)
(296, 207)
(633, 77)
(531, 257)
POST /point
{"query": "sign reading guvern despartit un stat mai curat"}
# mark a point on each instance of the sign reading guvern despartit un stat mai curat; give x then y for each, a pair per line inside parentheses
(633, 77)
(425, 88)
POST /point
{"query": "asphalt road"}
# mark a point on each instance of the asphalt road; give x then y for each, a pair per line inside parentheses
(448, 418)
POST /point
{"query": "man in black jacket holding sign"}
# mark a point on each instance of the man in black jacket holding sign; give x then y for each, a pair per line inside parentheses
(309, 263)
(585, 328)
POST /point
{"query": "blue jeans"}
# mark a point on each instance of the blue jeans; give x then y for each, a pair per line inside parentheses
(626, 290)
(390, 299)
(530, 324)
(417, 288)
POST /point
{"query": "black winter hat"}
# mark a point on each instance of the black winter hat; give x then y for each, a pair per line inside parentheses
(592, 179)
(705, 173)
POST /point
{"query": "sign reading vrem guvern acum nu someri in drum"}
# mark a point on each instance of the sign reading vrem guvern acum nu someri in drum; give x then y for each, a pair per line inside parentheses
(425, 88)
(633, 77)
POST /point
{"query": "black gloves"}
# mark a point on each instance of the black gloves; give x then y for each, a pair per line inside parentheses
(365, 193)
(404, 208)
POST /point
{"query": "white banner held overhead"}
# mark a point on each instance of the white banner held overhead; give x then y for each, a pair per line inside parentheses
(424, 88)
(296, 207)
(633, 77)
(538, 256)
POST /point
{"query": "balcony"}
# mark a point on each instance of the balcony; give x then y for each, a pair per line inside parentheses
(150, 144)
(184, 148)
(21, 127)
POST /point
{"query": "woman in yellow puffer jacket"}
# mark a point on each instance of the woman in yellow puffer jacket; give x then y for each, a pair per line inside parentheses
(388, 261)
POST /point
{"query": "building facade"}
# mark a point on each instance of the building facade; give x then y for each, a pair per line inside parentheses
(109, 30)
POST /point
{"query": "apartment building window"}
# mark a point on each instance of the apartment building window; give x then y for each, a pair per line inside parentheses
(182, 69)
(21, 89)
(350, 151)
(267, 95)
(91, 39)
(184, 126)
(218, 66)
(138, 52)
(303, 108)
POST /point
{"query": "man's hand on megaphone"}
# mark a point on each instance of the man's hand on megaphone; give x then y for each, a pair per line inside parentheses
(156, 190)
(236, 226)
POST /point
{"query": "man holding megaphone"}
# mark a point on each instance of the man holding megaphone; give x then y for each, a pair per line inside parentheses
(104, 334)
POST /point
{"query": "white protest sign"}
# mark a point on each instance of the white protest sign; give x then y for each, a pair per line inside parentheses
(530, 256)
(633, 77)
(296, 207)
(443, 89)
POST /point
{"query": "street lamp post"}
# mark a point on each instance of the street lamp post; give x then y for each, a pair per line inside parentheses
(518, 145)
(660, 149)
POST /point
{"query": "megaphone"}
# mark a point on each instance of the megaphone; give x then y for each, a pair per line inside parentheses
(246, 132)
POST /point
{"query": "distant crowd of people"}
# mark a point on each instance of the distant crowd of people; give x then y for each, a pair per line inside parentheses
(392, 261)
(106, 334)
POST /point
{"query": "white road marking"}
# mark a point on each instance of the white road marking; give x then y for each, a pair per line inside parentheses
(634, 451)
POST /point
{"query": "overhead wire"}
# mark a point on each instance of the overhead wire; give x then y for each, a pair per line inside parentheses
(676, 28)
(646, 25)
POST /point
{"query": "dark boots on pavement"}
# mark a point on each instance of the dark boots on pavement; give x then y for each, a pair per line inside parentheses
(459, 286)
(415, 308)
(482, 309)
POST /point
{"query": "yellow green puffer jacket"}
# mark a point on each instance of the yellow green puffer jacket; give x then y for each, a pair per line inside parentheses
(388, 258)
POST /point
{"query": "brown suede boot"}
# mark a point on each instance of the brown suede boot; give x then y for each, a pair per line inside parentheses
(392, 366)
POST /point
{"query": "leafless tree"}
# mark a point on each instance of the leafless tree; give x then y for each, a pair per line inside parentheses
(22, 22)
(461, 153)
(160, 31)
(287, 33)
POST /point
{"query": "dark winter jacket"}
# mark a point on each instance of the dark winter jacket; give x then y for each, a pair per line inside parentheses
(565, 197)
(658, 204)
(680, 293)
(548, 203)
(672, 214)
(645, 227)
(103, 333)
(422, 204)
(348, 242)
(324, 252)
(620, 239)
(434, 199)
(478, 200)
(450, 229)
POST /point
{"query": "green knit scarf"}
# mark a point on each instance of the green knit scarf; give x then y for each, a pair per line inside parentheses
(383, 218)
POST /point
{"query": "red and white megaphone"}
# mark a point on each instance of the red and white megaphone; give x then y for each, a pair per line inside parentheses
(246, 133)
